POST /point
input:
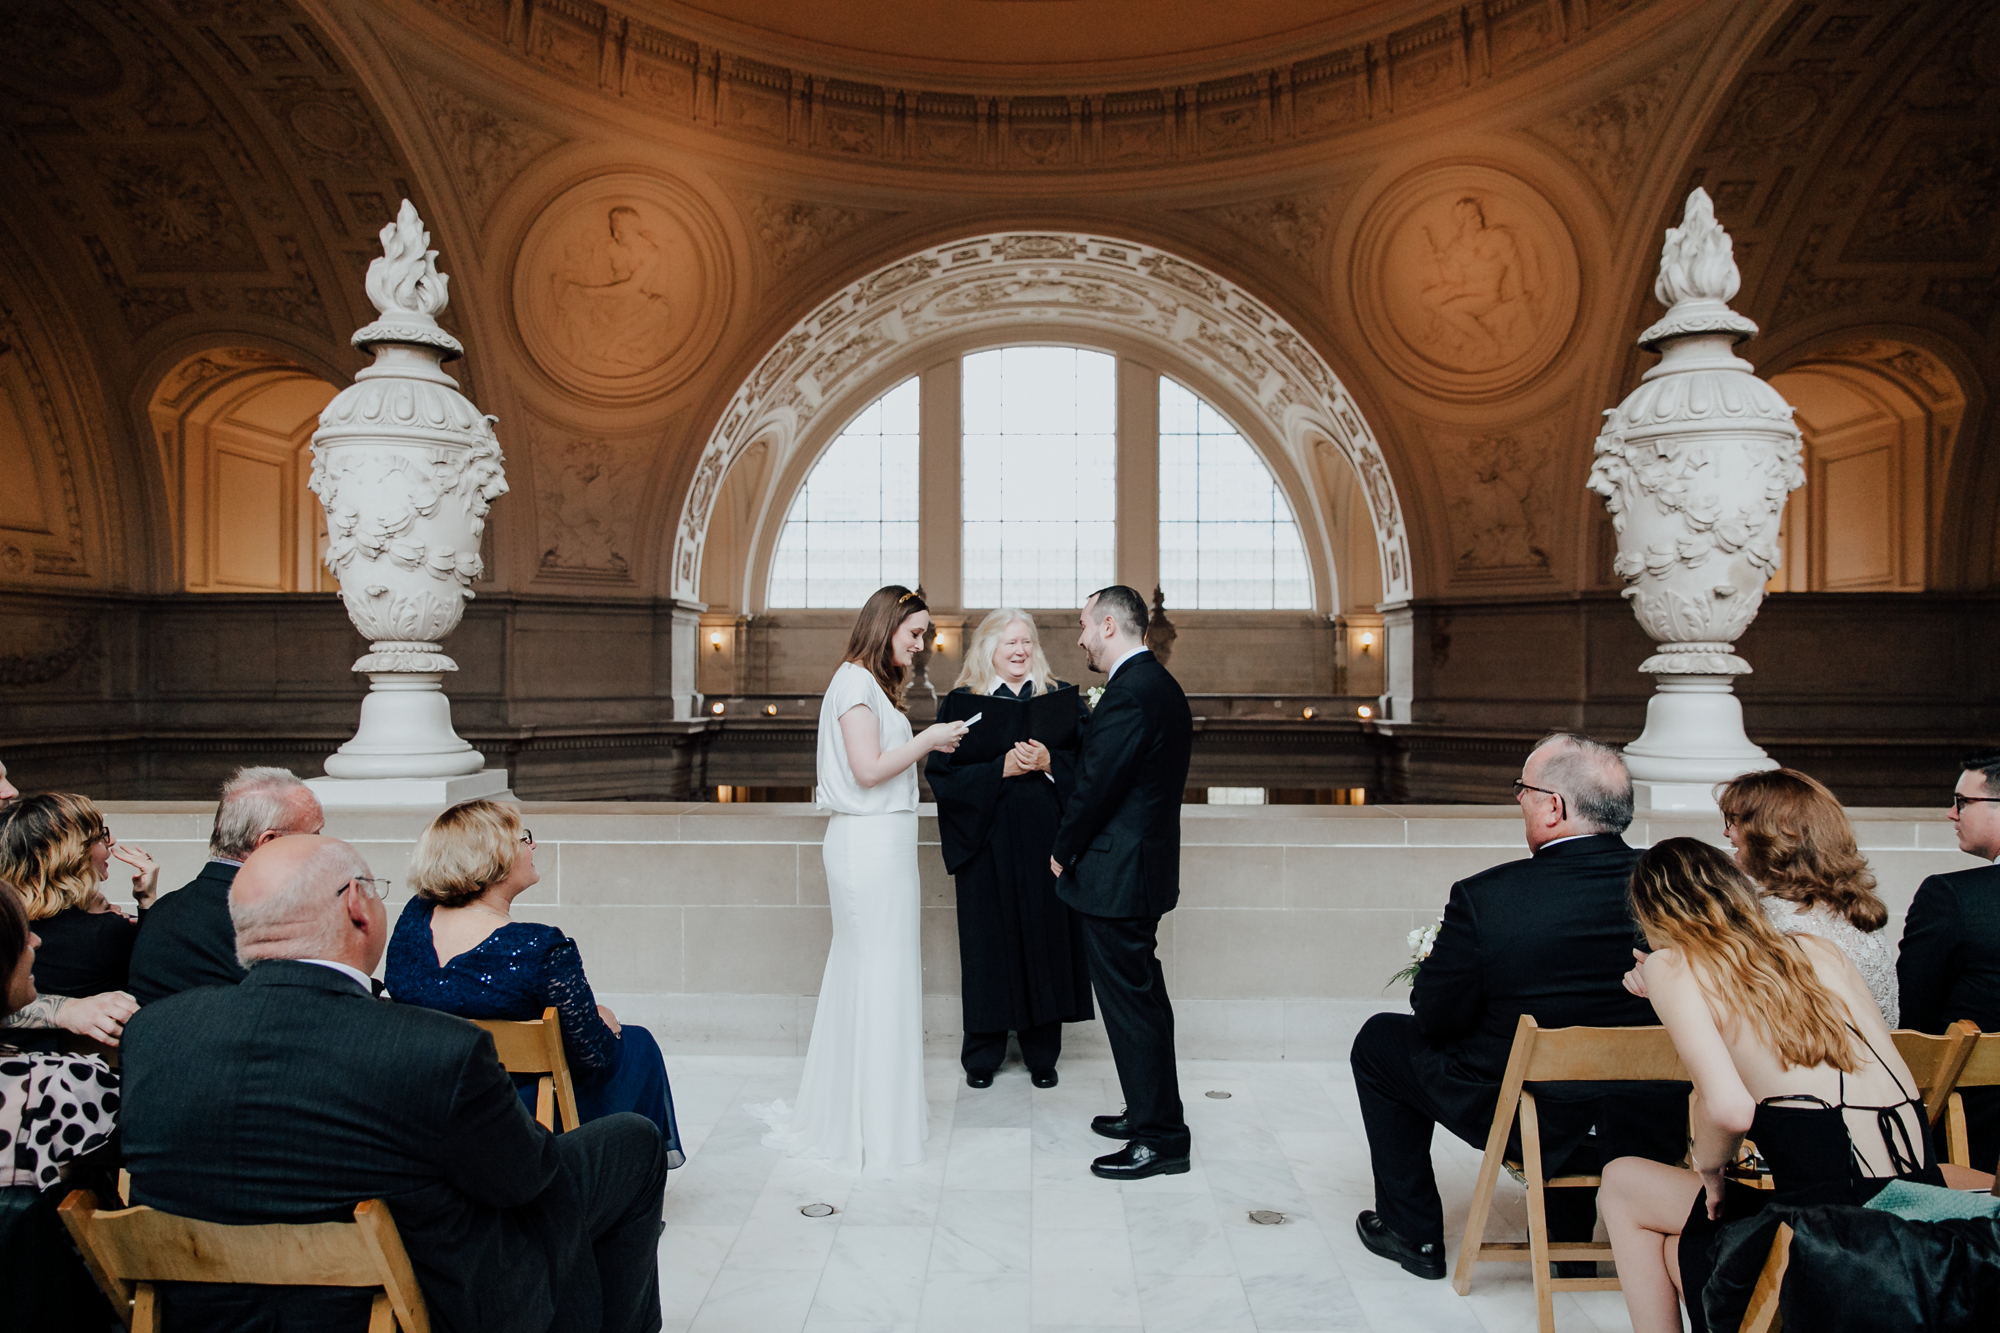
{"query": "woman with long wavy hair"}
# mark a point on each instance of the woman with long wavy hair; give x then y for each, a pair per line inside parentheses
(861, 1100)
(1784, 1044)
(1793, 840)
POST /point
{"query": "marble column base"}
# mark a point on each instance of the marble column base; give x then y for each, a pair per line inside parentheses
(435, 793)
(1692, 796)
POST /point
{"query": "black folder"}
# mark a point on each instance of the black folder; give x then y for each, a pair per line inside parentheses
(1049, 718)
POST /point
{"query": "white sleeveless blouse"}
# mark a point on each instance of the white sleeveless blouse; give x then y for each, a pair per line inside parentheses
(838, 792)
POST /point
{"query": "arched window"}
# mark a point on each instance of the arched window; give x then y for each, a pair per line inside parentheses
(1227, 537)
(853, 526)
(1039, 473)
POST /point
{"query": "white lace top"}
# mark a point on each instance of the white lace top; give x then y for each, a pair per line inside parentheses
(852, 686)
(1869, 951)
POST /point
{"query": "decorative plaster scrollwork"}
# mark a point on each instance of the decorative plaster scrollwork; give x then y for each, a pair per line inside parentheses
(1087, 282)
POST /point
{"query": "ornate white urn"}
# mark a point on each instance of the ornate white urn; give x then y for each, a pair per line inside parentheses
(405, 468)
(1695, 466)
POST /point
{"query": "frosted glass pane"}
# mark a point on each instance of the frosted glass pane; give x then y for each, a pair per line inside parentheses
(1039, 472)
(1227, 537)
(853, 526)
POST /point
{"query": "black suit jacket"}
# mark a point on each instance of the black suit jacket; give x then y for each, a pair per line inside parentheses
(294, 1096)
(1120, 837)
(186, 938)
(1550, 936)
(1949, 964)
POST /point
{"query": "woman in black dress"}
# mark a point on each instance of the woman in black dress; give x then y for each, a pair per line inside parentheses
(1785, 1045)
(1020, 948)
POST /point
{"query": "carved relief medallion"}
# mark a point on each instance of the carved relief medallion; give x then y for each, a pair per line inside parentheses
(1465, 280)
(620, 287)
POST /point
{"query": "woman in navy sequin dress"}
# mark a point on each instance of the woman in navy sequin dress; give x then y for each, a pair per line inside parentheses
(457, 948)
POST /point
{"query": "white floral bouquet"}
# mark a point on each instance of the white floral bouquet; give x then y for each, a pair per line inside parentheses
(1422, 940)
(1092, 695)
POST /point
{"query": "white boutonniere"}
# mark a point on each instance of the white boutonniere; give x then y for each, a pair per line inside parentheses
(1422, 941)
(1092, 695)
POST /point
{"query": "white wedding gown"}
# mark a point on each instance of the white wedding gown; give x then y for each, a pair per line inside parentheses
(861, 1103)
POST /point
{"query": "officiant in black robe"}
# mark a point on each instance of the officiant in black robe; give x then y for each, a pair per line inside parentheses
(1020, 947)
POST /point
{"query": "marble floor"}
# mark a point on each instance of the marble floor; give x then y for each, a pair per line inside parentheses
(1003, 1227)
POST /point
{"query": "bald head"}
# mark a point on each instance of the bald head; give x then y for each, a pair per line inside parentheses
(1590, 778)
(292, 899)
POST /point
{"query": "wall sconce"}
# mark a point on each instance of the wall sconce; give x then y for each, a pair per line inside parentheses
(770, 710)
(715, 709)
(1367, 639)
(715, 640)
(1309, 714)
(1364, 712)
(942, 643)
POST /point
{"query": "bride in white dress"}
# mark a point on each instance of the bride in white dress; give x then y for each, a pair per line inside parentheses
(861, 1099)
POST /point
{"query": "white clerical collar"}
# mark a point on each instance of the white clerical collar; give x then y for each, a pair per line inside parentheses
(1122, 661)
(360, 977)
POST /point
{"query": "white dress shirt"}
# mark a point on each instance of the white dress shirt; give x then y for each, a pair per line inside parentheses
(360, 977)
(1123, 660)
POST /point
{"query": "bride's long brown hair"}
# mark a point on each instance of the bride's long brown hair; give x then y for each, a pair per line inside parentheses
(1692, 897)
(871, 643)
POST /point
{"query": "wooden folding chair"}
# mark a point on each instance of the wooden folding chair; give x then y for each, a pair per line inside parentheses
(132, 1248)
(1981, 1070)
(1761, 1315)
(1936, 1062)
(534, 1046)
(1558, 1055)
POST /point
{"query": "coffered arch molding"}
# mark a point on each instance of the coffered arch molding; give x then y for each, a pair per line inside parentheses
(983, 288)
(1945, 382)
(782, 475)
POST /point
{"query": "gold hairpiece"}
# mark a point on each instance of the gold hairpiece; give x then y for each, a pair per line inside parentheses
(904, 598)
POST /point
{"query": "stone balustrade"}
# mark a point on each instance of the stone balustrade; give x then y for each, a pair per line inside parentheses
(709, 923)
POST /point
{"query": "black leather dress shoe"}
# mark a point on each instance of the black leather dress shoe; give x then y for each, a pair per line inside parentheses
(1425, 1261)
(1044, 1078)
(978, 1078)
(1136, 1161)
(1112, 1126)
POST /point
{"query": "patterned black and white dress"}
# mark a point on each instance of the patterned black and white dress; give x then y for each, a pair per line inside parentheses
(54, 1109)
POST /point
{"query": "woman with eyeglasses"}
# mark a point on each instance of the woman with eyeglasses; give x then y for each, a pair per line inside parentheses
(458, 948)
(56, 850)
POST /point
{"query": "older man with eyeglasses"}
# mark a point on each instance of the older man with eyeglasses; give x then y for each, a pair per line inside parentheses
(1550, 936)
(295, 1095)
(1949, 964)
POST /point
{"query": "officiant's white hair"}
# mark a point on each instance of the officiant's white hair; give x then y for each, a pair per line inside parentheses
(978, 674)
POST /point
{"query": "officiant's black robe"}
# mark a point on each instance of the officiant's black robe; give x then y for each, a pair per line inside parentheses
(1020, 948)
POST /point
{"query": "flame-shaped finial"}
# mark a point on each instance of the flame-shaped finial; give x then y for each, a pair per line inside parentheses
(407, 289)
(405, 280)
(1697, 278)
(1698, 262)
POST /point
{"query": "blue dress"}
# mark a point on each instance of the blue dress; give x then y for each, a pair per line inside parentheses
(517, 972)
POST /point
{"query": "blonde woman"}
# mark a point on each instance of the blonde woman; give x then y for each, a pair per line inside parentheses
(458, 948)
(861, 1099)
(1020, 948)
(1785, 1045)
(56, 849)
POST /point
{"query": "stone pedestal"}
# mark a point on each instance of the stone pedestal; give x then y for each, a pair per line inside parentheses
(434, 794)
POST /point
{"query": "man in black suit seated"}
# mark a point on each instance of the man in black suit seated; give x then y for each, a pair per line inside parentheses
(1949, 964)
(1117, 861)
(185, 939)
(1550, 936)
(294, 1095)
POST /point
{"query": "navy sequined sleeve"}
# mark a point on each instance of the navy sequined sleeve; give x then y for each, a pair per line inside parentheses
(516, 972)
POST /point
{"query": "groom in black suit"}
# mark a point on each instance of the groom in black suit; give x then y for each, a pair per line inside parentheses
(1117, 861)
